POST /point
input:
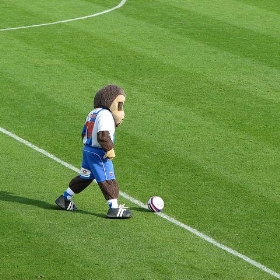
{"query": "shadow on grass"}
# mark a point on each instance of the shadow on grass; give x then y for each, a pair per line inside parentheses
(139, 209)
(7, 196)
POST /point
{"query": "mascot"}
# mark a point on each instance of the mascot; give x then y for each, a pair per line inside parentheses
(98, 138)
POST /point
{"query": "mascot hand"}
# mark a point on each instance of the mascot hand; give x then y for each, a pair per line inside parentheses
(110, 154)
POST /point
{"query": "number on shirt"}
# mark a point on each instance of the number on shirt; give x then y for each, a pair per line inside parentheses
(89, 126)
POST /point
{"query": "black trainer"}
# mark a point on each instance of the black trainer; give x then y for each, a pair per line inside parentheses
(65, 204)
(119, 213)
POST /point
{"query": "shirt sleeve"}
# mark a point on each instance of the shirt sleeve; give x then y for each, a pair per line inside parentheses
(105, 121)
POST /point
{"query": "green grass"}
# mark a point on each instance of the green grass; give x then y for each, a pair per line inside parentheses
(201, 130)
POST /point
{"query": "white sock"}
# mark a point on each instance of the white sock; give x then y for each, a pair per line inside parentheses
(113, 203)
(68, 194)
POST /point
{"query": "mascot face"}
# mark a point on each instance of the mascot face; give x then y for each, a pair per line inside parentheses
(117, 109)
(111, 97)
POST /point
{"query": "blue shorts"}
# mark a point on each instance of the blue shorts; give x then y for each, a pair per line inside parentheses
(94, 166)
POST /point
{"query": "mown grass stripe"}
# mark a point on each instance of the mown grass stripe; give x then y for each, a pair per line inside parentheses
(139, 203)
(66, 20)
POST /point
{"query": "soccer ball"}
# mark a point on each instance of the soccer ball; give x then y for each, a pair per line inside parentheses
(155, 204)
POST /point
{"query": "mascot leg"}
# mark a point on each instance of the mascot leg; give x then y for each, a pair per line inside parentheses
(76, 185)
(110, 190)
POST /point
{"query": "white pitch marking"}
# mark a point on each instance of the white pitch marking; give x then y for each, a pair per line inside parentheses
(66, 20)
(139, 203)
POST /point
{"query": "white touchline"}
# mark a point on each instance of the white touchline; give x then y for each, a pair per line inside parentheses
(128, 197)
(141, 204)
(66, 20)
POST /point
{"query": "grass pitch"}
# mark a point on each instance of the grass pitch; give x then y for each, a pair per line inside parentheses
(201, 131)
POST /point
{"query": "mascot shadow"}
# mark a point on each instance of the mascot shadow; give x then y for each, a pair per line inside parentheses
(10, 197)
(139, 209)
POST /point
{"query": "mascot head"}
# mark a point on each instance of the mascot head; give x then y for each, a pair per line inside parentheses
(111, 97)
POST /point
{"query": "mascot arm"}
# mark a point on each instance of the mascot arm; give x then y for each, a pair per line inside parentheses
(104, 139)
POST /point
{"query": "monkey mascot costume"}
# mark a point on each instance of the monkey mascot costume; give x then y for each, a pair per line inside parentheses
(98, 152)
